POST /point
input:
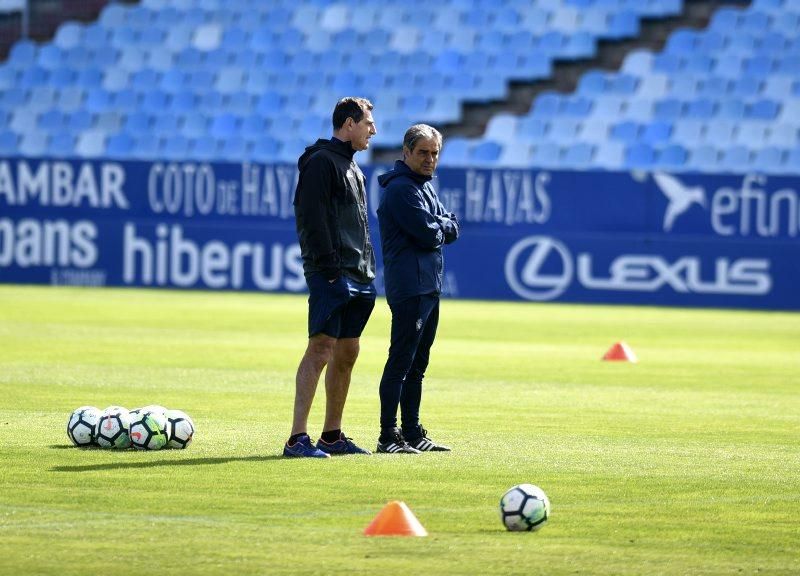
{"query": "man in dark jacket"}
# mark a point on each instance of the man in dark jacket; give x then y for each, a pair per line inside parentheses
(414, 226)
(339, 264)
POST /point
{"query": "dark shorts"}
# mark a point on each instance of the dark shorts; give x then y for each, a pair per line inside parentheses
(339, 309)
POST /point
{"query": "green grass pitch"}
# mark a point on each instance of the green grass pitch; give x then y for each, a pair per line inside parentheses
(686, 463)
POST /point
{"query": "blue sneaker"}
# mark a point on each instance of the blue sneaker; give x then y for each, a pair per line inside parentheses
(303, 448)
(343, 445)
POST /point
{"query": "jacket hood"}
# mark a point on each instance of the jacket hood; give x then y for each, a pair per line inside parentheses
(401, 169)
(334, 145)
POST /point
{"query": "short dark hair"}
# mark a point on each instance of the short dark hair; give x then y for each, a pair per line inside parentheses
(350, 107)
(421, 132)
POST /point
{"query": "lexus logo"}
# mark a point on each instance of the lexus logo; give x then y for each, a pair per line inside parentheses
(524, 268)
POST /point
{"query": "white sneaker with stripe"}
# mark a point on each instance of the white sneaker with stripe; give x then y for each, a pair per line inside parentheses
(395, 444)
(425, 444)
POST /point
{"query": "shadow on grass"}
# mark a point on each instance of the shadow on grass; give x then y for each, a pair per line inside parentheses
(158, 463)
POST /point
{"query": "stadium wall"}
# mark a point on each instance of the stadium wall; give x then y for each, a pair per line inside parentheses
(606, 237)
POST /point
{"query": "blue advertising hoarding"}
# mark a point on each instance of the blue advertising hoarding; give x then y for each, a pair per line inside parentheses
(614, 237)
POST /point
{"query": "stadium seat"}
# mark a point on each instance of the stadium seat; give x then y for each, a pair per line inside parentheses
(704, 159)
(769, 159)
(673, 156)
(169, 69)
(546, 155)
(119, 145)
(735, 159)
(516, 155)
(640, 156)
(486, 153)
(578, 156)
(455, 152)
(91, 144)
(33, 143)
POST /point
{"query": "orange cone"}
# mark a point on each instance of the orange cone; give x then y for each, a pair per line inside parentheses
(396, 519)
(621, 351)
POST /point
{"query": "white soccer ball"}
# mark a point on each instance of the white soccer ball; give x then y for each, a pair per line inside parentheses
(180, 429)
(524, 507)
(154, 408)
(149, 408)
(82, 425)
(148, 430)
(113, 428)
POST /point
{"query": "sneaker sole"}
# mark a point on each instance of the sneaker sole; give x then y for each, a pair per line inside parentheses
(292, 455)
(398, 450)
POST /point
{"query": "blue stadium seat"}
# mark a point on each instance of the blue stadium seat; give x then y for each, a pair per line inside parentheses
(68, 35)
(515, 155)
(224, 126)
(532, 129)
(720, 132)
(578, 156)
(638, 109)
(8, 143)
(783, 135)
(43, 98)
(769, 159)
(610, 155)
(205, 148)
(194, 125)
(269, 104)
(668, 109)
(627, 132)
(704, 159)
(485, 153)
(688, 132)
(61, 145)
(91, 143)
(700, 109)
(546, 155)
(564, 130)
(455, 152)
(763, 110)
(735, 159)
(730, 109)
(752, 134)
(174, 147)
(656, 132)
(594, 131)
(640, 156)
(792, 160)
(235, 149)
(290, 150)
(120, 145)
(673, 156)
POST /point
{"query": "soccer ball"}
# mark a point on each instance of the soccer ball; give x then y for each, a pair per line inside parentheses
(145, 409)
(148, 430)
(113, 428)
(524, 507)
(153, 408)
(82, 425)
(180, 429)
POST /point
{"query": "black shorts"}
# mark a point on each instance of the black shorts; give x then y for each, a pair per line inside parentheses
(340, 308)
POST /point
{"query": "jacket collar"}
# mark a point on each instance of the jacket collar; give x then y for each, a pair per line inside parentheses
(402, 168)
(344, 148)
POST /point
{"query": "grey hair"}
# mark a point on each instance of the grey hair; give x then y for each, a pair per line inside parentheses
(421, 132)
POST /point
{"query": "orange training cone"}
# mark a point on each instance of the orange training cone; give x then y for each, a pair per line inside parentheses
(396, 519)
(621, 351)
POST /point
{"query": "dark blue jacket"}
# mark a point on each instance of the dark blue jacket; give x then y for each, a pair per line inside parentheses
(330, 206)
(414, 225)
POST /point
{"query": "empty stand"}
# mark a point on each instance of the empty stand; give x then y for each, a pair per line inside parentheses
(244, 80)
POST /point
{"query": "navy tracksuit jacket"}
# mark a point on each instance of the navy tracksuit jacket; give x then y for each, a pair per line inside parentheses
(413, 226)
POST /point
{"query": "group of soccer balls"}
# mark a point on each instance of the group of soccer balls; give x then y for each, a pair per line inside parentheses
(524, 508)
(149, 428)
